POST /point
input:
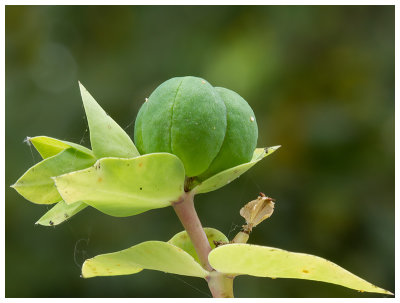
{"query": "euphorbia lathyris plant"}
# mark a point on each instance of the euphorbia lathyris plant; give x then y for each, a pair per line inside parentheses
(191, 138)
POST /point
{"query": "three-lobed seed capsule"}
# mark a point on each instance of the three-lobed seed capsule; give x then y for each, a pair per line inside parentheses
(209, 128)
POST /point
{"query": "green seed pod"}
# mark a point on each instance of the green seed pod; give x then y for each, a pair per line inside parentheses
(241, 134)
(209, 129)
(184, 116)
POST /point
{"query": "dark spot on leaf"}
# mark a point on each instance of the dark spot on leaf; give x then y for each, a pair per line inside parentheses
(66, 215)
(51, 223)
(140, 164)
(141, 188)
(305, 271)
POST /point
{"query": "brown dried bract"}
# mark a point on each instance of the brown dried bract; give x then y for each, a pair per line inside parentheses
(257, 211)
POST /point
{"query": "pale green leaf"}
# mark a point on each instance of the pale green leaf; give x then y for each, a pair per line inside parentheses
(183, 241)
(47, 146)
(124, 187)
(155, 255)
(37, 186)
(60, 213)
(261, 261)
(107, 138)
(222, 178)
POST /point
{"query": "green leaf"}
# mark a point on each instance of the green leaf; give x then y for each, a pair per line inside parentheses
(183, 241)
(37, 186)
(155, 255)
(221, 179)
(125, 187)
(107, 138)
(261, 261)
(47, 146)
(60, 213)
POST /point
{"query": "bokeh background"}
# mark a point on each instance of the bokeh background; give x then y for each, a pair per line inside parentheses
(320, 80)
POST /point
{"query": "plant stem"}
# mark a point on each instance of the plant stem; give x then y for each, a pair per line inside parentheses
(221, 286)
(241, 237)
(186, 212)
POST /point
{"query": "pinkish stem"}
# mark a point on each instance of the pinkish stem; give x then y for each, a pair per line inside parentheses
(186, 212)
(221, 286)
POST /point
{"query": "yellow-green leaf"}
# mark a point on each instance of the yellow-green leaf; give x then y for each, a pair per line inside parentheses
(36, 184)
(261, 261)
(125, 187)
(47, 146)
(107, 138)
(155, 255)
(221, 179)
(183, 241)
(60, 213)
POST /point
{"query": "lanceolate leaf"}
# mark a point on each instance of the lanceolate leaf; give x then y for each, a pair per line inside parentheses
(107, 138)
(37, 186)
(183, 241)
(48, 147)
(261, 261)
(155, 255)
(221, 179)
(60, 213)
(125, 187)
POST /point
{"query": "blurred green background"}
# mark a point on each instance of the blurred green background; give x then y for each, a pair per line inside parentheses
(320, 80)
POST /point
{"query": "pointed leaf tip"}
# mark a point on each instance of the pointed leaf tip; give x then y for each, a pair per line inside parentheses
(276, 147)
(60, 213)
(47, 146)
(107, 138)
(27, 140)
(226, 176)
(82, 89)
